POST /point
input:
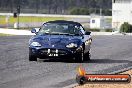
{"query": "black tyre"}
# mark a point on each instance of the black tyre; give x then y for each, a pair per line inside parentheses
(80, 56)
(87, 56)
(32, 58)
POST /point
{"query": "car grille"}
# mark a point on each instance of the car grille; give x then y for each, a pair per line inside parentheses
(54, 51)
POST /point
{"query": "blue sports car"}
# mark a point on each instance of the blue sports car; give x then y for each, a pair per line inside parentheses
(60, 39)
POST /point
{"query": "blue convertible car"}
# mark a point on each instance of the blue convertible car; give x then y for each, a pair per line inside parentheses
(60, 39)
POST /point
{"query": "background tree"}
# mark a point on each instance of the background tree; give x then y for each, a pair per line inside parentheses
(126, 27)
(57, 6)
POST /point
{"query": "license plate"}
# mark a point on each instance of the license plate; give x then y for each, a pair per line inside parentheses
(55, 55)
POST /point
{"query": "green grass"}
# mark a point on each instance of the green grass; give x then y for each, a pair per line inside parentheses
(109, 20)
(2, 34)
(23, 19)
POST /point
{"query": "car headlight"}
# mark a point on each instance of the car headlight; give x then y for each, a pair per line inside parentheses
(71, 45)
(35, 44)
(88, 42)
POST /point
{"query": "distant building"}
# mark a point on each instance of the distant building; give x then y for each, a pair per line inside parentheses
(96, 22)
(99, 22)
(121, 12)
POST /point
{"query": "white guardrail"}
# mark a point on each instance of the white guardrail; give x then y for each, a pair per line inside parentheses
(51, 15)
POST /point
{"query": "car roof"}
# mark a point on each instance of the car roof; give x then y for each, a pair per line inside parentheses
(64, 21)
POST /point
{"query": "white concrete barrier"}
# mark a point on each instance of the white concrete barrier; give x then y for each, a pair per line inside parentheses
(28, 24)
(27, 32)
(15, 32)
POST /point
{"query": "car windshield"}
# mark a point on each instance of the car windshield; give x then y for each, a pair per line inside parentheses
(59, 28)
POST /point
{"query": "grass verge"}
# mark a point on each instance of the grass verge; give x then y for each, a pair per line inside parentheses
(23, 19)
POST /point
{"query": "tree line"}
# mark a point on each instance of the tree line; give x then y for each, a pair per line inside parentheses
(77, 7)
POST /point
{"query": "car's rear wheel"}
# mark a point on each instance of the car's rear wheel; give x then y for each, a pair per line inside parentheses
(80, 56)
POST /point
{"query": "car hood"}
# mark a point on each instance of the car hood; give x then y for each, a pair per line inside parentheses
(57, 41)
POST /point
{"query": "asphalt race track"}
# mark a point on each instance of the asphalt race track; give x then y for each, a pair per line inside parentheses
(109, 55)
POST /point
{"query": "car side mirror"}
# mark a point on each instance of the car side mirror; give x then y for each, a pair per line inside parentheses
(33, 30)
(87, 33)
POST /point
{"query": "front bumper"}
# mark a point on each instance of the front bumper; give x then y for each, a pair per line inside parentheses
(49, 52)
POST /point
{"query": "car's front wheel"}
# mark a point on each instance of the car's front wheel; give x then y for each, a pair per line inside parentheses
(32, 58)
(80, 56)
(87, 56)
